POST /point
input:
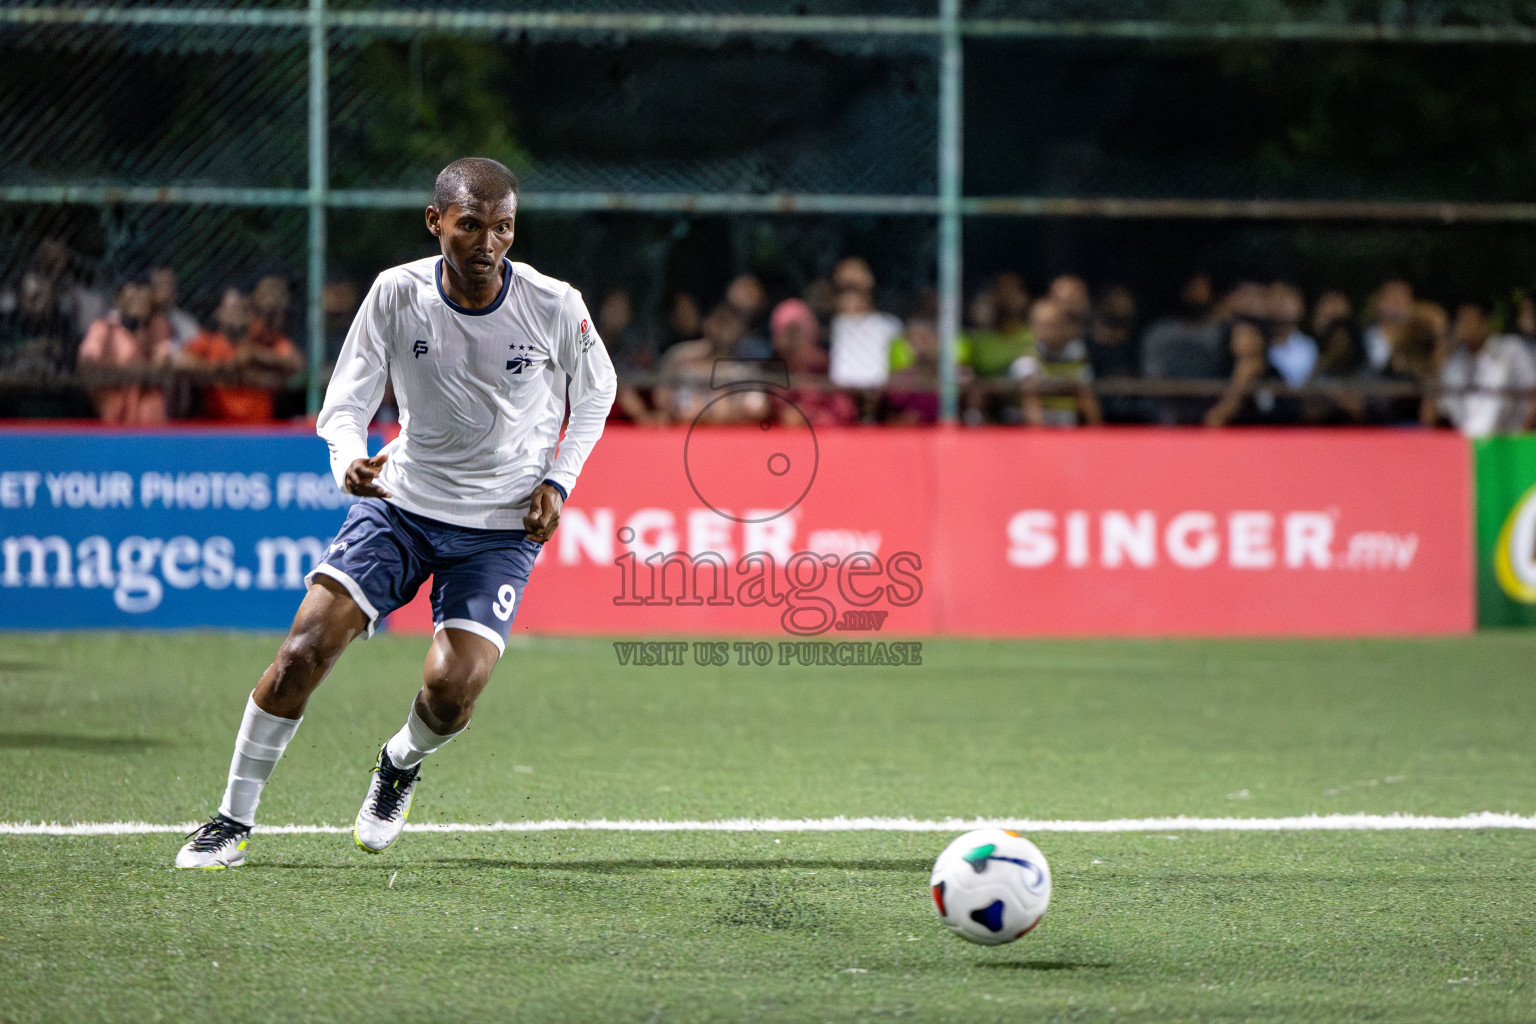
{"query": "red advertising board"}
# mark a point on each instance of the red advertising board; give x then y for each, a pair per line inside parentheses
(864, 533)
(1286, 533)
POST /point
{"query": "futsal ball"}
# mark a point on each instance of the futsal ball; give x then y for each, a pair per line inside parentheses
(991, 886)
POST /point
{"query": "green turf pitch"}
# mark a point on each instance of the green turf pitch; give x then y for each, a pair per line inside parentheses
(585, 926)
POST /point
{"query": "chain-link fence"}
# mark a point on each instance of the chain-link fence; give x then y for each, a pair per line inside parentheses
(668, 145)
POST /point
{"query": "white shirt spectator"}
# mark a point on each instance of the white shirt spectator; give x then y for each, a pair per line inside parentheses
(184, 326)
(1294, 358)
(1502, 363)
(1378, 347)
(861, 349)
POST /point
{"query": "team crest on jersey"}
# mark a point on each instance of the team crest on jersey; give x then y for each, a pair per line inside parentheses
(420, 348)
(519, 363)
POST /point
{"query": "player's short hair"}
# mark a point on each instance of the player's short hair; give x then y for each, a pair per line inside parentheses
(473, 178)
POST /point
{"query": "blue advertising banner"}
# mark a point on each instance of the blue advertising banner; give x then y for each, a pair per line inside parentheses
(161, 529)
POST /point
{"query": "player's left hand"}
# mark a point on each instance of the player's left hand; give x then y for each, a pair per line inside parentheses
(543, 513)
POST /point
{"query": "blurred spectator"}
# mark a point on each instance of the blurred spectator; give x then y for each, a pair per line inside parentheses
(861, 334)
(821, 296)
(54, 261)
(33, 326)
(1113, 352)
(270, 300)
(981, 316)
(999, 335)
(340, 299)
(183, 326)
(1247, 346)
(1112, 347)
(999, 315)
(683, 320)
(1290, 357)
(1071, 293)
(692, 371)
(632, 355)
(262, 363)
(746, 296)
(1393, 307)
(1292, 352)
(1060, 357)
(1525, 318)
(129, 338)
(1186, 346)
(912, 396)
(980, 324)
(1479, 372)
(797, 341)
(1340, 359)
(797, 338)
(1340, 351)
(217, 349)
(44, 314)
(628, 344)
(38, 343)
(1414, 362)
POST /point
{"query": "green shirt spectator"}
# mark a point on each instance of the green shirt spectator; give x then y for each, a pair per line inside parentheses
(993, 352)
(903, 355)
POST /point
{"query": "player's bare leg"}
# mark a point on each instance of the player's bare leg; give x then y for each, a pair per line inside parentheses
(458, 666)
(327, 621)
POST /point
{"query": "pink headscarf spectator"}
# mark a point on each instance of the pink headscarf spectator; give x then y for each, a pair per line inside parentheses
(797, 337)
(797, 340)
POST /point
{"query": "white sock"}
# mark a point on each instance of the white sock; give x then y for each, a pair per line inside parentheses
(258, 747)
(408, 747)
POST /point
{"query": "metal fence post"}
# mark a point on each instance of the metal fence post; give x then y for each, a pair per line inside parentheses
(950, 86)
(319, 128)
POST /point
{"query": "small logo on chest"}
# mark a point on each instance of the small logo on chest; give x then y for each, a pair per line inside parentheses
(521, 359)
(419, 349)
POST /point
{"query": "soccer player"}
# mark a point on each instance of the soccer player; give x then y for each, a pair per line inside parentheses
(485, 354)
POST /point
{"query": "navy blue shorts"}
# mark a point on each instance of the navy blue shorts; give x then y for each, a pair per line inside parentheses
(384, 554)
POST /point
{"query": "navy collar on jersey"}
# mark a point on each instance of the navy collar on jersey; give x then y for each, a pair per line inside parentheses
(506, 285)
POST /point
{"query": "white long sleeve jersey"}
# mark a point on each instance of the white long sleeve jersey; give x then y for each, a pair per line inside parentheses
(482, 393)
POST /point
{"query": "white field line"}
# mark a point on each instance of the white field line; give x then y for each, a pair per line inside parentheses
(1309, 823)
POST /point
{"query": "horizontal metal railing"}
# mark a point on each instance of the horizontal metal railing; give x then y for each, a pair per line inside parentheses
(1107, 207)
(89, 378)
(659, 23)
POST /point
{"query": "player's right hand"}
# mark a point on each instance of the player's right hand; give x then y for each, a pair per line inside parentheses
(362, 474)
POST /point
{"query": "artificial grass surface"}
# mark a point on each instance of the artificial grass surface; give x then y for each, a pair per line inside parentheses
(722, 926)
(702, 927)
